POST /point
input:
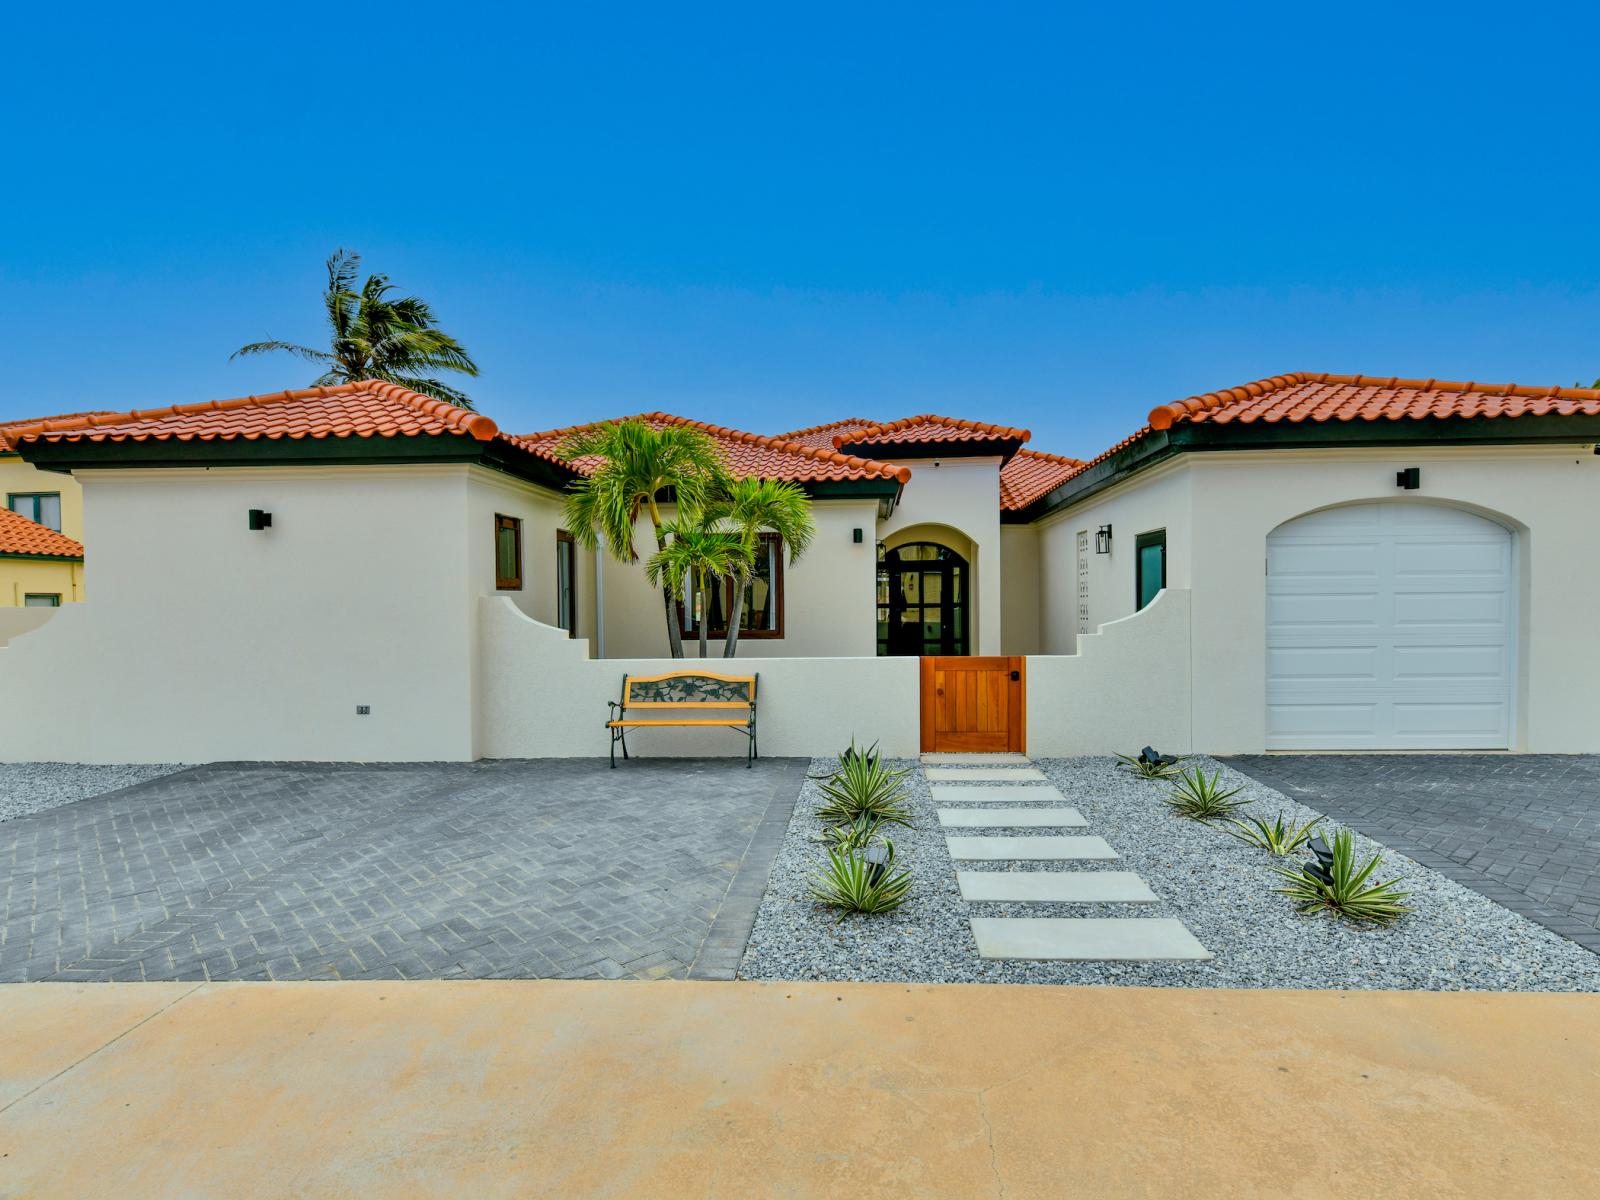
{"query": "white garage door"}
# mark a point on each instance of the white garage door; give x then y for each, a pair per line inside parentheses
(1389, 626)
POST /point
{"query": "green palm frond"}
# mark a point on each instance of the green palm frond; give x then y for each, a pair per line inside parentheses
(374, 337)
(695, 554)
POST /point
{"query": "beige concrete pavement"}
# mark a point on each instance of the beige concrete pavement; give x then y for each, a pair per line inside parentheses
(502, 1089)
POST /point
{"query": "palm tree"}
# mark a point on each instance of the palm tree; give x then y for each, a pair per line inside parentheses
(751, 507)
(375, 337)
(639, 466)
(700, 554)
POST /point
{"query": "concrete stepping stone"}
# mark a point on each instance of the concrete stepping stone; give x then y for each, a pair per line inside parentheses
(1030, 849)
(1086, 939)
(948, 794)
(1016, 774)
(1016, 818)
(975, 759)
(1055, 887)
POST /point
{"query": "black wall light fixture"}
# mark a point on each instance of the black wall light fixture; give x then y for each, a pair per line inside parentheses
(857, 536)
(1102, 540)
(260, 519)
(1410, 478)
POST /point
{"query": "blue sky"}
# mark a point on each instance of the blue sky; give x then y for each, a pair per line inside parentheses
(773, 217)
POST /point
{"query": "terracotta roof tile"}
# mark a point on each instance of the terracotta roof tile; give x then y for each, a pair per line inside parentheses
(751, 453)
(929, 428)
(8, 427)
(1318, 398)
(820, 437)
(1030, 474)
(365, 409)
(18, 535)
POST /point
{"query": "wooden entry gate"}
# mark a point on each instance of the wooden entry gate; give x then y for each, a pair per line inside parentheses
(974, 703)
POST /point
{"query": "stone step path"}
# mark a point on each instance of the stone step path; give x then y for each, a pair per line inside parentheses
(1028, 849)
(948, 794)
(1055, 887)
(972, 779)
(1087, 939)
(1018, 774)
(1010, 818)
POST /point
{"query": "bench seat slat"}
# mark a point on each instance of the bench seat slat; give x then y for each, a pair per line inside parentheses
(684, 721)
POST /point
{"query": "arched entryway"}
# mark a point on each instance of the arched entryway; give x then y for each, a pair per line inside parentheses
(923, 600)
(1390, 626)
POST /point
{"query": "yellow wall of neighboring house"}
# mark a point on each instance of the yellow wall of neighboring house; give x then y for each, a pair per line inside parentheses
(19, 476)
(22, 577)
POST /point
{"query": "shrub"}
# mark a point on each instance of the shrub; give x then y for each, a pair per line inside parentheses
(853, 835)
(852, 884)
(1342, 887)
(1202, 799)
(863, 786)
(1278, 838)
(1145, 768)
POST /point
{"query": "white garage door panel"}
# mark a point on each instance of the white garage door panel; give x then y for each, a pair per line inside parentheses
(1389, 626)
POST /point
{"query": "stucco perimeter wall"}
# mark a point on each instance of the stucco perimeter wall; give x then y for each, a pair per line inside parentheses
(541, 696)
(14, 621)
(1128, 686)
(205, 641)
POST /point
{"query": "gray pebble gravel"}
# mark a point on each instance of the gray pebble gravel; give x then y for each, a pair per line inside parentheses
(1222, 889)
(27, 788)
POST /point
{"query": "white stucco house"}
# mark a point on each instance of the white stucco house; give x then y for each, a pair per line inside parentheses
(1305, 562)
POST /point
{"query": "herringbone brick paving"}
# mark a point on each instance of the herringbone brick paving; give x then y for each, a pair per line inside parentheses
(1522, 829)
(553, 869)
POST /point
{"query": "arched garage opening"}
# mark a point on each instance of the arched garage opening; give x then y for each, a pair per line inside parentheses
(1390, 626)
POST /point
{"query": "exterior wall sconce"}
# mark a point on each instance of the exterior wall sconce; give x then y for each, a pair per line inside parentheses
(1410, 478)
(856, 537)
(260, 520)
(1102, 540)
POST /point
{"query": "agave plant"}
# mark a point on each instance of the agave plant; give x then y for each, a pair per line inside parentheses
(853, 835)
(1148, 768)
(1201, 798)
(852, 884)
(1342, 888)
(1278, 838)
(863, 786)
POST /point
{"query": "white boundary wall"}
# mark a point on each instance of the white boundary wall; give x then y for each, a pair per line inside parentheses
(1128, 686)
(541, 696)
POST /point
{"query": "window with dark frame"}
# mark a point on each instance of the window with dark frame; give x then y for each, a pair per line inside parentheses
(762, 616)
(507, 553)
(1150, 566)
(566, 583)
(42, 508)
(41, 600)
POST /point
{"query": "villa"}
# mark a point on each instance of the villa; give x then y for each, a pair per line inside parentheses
(1303, 562)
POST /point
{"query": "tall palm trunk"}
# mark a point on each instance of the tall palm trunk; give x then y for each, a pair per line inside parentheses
(730, 648)
(674, 636)
(705, 614)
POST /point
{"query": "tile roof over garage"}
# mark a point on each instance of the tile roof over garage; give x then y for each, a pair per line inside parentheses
(8, 429)
(1319, 398)
(18, 535)
(928, 429)
(753, 454)
(1030, 474)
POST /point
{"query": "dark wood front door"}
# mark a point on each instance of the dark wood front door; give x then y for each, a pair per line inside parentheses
(974, 703)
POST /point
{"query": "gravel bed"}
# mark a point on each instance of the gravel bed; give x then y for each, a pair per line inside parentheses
(1222, 889)
(27, 788)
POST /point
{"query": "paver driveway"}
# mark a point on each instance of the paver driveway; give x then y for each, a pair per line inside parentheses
(1522, 829)
(552, 869)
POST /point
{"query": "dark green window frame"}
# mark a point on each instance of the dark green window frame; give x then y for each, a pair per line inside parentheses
(1156, 539)
(566, 583)
(35, 507)
(51, 599)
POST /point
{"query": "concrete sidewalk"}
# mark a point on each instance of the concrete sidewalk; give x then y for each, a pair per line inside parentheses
(502, 1089)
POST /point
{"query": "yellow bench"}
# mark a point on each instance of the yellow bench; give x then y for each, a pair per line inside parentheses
(679, 690)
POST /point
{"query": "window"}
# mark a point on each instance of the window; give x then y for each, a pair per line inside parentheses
(922, 600)
(1150, 566)
(566, 583)
(41, 600)
(43, 507)
(762, 614)
(507, 553)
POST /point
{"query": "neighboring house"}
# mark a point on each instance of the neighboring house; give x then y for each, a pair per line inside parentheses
(36, 570)
(1352, 563)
